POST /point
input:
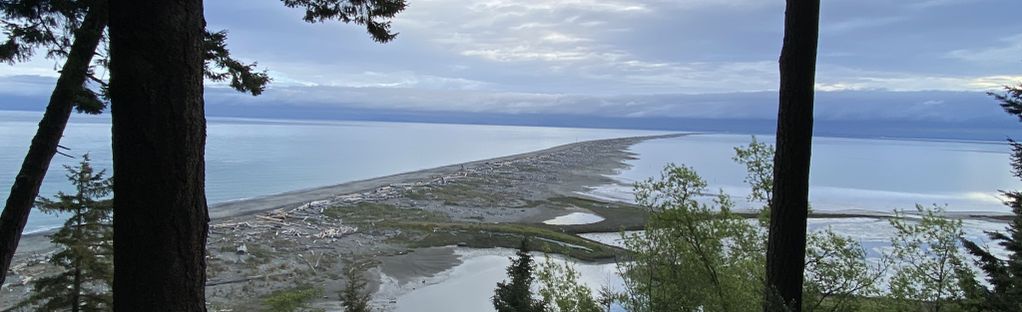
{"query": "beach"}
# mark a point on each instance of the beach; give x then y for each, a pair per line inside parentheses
(409, 231)
(393, 223)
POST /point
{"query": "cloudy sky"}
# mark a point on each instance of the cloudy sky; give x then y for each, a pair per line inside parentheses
(620, 58)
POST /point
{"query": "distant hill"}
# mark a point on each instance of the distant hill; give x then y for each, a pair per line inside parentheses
(931, 115)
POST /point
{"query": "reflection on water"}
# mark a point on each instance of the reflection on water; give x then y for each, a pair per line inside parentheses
(575, 218)
(249, 158)
(469, 286)
(847, 174)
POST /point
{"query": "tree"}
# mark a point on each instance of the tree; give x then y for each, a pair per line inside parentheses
(930, 267)
(698, 255)
(1004, 275)
(36, 29)
(837, 273)
(159, 133)
(516, 295)
(353, 296)
(758, 159)
(786, 244)
(692, 255)
(562, 291)
(837, 270)
(85, 243)
(156, 88)
(73, 30)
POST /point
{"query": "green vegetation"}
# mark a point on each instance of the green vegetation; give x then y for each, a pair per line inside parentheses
(693, 255)
(369, 213)
(462, 193)
(930, 268)
(1003, 275)
(85, 246)
(488, 235)
(697, 255)
(291, 300)
(516, 295)
(616, 216)
(561, 290)
(354, 295)
(837, 275)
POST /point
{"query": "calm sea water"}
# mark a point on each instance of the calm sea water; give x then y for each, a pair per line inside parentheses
(247, 158)
(876, 175)
(872, 175)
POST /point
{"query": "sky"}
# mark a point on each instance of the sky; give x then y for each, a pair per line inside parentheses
(878, 59)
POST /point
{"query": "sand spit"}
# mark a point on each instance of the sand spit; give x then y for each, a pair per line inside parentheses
(397, 224)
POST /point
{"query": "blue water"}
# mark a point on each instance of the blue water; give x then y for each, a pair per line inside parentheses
(874, 175)
(249, 157)
(871, 175)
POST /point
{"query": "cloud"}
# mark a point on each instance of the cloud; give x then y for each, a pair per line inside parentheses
(635, 58)
(1007, 51)
(26, 85)
(830, 105)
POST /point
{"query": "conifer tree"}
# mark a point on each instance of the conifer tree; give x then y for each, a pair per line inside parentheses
(73, 31)
(1005, 275)
(353, 296)
(85, 242)
(161, 217)
(789, 207)
(516, 295)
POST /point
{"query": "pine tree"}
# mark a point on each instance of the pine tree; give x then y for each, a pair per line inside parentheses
(85, 243)
(353, 296)
(1005, 275)
(72, 30)
(789, 207)
(516, 295)
(159, 136)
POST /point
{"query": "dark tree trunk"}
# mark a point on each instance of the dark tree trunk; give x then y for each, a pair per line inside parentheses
(159, 135)
(786, 245)
(51, 128)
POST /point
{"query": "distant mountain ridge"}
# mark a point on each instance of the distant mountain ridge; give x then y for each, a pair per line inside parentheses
(859, 114)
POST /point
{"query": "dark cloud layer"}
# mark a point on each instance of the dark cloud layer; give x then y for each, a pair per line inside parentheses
(880, 60)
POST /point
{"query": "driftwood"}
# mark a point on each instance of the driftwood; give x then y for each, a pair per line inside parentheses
(271, 219)
(243, 279)
(313, 267)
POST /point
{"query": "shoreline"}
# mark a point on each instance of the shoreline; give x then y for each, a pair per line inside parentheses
(295, 198)
(403, 225)
(269, 243)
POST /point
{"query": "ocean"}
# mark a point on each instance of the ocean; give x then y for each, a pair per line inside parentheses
(255, 157)
(847, 174)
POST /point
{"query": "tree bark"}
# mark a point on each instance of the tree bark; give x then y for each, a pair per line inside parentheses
(159, 134)
(786, 245)
(51, 129)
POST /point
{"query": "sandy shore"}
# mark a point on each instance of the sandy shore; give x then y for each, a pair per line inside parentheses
(400, 226)
(273, 243)
(295, 198)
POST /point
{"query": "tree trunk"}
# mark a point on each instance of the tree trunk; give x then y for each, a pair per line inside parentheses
(159, 135)
(786, 245)
(51, 128)
(76, 283)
